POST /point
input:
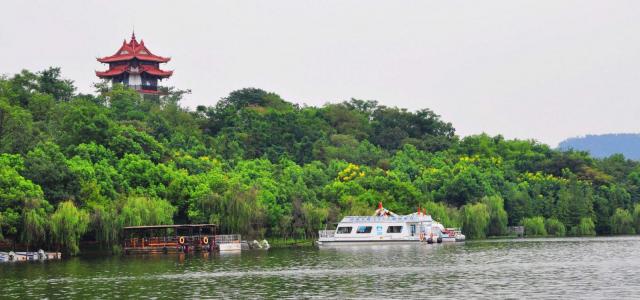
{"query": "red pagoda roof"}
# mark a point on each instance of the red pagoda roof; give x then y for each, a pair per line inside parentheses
(117, 70)
(131, 50)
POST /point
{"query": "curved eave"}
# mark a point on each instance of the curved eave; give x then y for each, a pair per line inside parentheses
(152, 58)
(162, 74)
(108, 74)
(112, 73)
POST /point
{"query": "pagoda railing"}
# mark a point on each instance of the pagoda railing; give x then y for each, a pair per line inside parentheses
(144, 87)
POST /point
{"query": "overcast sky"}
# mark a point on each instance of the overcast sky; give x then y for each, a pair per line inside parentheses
(543, 70)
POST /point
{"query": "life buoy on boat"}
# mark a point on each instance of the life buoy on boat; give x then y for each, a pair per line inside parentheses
(181, 240)
(205, 240)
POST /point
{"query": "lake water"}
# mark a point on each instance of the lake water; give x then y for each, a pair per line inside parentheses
(603, 267)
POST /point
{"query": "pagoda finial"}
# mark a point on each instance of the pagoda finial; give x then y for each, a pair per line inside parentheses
(133, 34)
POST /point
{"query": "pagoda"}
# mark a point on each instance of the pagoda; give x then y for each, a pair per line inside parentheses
(135, 66)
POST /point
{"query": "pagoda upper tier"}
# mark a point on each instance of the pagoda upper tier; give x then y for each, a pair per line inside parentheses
(135, 66)
(118, 70)
(131, 50)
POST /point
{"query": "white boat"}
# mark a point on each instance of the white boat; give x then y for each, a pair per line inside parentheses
(383, 227)
(457, 234)
(228, 243)
(452, 235)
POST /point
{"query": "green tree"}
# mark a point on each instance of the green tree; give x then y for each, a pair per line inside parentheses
(20, 200)
(16, 128)
(46, 166)
(49, 82)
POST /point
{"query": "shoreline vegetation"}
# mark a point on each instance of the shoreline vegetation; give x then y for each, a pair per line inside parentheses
(78, 167)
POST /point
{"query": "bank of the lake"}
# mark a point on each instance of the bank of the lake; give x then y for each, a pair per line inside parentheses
(594, 267)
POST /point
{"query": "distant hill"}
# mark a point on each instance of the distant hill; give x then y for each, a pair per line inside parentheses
(606, 144)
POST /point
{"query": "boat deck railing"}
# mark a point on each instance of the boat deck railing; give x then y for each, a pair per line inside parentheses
(326, 233)
(174, 241)
(159, 241)
(227, 238)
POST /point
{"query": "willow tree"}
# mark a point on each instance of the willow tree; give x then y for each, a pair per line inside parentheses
(475, 219)
(138, 211)
(555, 227)
(68, 224)
(314, 216)
(104, 220)
(497, 215)
(584, 227)
(534, 226)
(34, 221)
(622, 222)
(636, 218)
(241, 211)
(448, 216)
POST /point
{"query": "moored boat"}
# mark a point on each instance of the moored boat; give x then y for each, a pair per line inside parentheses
(456, 234)
(383, 227)
(12, 256)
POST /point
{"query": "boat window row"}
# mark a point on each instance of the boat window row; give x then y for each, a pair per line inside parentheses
(367, 229)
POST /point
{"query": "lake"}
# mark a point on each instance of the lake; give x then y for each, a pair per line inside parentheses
(602, 267)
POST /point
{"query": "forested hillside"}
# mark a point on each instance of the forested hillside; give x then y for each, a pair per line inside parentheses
(605, 145)
(77, 166)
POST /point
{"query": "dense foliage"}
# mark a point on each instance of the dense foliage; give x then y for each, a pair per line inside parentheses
(77, 166)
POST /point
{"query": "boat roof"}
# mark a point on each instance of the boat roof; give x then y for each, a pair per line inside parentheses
(169, 226)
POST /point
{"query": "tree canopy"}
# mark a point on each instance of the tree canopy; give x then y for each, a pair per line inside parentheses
(77, 166)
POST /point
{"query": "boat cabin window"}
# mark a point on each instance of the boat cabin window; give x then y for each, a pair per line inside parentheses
(394, 229)
(344, 230)
(364, 229)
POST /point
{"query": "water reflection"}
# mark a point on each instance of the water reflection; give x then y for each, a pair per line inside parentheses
(524, 268)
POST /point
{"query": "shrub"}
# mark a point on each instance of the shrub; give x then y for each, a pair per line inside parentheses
(534, 226)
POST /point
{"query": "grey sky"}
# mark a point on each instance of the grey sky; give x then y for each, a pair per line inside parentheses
(545, 70)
